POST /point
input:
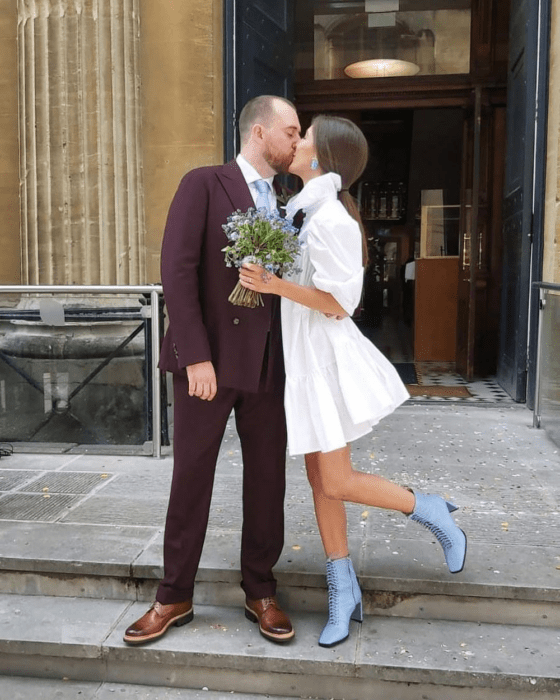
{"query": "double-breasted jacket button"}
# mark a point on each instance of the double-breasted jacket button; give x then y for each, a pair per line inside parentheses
(235, 321)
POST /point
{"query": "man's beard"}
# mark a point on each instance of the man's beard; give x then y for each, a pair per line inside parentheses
(279, 162)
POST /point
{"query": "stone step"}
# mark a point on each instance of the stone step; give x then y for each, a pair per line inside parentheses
(21, 688)
(399, 577)
(409, 599)
(81, 640)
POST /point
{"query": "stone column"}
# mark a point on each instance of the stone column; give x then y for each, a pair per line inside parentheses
(10, 263)
(81, 167)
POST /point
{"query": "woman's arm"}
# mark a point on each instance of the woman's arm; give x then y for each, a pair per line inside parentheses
(258, 279)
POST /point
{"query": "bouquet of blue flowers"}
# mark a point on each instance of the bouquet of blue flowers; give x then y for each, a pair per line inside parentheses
(263, 238)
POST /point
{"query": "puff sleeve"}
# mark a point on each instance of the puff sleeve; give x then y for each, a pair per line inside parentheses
(334, 243)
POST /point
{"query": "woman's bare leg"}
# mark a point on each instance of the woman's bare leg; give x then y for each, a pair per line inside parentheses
(330, 514)
(335, 479)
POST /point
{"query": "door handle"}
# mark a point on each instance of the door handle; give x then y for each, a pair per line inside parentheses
(466, 259)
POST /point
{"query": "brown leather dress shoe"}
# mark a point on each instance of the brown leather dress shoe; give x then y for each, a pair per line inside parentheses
(155, 623)
(274, 624)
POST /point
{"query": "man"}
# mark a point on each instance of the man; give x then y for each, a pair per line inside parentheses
(223, 357)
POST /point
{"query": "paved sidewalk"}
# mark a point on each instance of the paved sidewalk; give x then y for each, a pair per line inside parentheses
(92, 510)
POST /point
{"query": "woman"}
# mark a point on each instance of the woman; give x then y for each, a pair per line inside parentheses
(338, 385)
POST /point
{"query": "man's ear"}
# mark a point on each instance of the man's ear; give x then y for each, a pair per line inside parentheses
(257, 132)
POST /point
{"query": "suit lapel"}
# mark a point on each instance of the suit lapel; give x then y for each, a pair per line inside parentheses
(232, 180)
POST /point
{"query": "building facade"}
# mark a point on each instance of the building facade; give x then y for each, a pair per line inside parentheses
(108, 102)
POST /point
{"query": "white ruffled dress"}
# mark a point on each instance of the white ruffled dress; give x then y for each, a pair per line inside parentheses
(338, 384)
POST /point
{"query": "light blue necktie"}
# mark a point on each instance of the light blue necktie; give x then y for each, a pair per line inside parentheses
(263, 200)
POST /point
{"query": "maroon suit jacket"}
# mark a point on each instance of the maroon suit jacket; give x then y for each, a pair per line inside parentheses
(203, 324)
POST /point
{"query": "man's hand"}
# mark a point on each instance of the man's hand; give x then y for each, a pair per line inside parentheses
(202, 380)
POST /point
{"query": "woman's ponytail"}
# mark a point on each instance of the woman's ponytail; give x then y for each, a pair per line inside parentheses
(342, 148)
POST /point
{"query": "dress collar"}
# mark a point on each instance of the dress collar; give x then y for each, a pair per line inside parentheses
(316, 191)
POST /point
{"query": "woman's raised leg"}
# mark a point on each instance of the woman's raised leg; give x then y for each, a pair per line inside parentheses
(337, 480)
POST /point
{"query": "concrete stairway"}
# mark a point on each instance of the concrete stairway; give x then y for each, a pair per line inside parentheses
(70, 585)
(422, 638)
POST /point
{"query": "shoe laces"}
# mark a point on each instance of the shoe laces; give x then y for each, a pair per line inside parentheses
(157, 607)
(332, 594)
(441, 535)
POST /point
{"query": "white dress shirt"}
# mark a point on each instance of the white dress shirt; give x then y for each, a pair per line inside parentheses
(250, 175)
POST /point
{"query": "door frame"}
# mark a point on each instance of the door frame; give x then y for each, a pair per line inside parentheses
(230, 79)
(539, 178)
(524, 207)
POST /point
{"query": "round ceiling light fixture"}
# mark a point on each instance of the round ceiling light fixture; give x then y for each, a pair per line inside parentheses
(381, 68)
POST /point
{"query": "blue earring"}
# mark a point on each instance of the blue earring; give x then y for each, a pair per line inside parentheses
(314, 164)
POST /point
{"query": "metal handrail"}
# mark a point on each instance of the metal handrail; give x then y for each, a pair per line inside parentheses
(154, 290)
(547, 285)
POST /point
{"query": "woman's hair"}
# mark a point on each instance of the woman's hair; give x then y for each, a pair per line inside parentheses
(342, 148)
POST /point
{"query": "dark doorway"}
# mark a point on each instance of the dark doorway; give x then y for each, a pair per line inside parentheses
(413, 181)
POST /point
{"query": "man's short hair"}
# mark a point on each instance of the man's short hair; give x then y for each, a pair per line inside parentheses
(259, 110)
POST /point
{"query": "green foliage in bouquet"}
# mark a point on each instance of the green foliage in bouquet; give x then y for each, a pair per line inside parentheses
(263, 238)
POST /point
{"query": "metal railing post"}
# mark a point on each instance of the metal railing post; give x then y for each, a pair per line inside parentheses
(537, 409)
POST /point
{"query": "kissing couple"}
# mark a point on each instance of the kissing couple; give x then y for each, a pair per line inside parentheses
(297, 372)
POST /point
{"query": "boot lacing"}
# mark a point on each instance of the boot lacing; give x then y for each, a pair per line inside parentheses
(441, 535)
(333, 594)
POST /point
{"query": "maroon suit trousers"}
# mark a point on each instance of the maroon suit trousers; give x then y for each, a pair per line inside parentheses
(198, 431)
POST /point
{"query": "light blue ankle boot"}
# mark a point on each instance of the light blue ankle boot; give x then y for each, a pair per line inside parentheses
(345, 601)
(433, 512)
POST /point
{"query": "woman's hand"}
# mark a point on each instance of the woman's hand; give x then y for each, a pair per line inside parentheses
(257, 279)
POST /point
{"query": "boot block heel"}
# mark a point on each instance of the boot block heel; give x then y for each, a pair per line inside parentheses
(357, 615)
